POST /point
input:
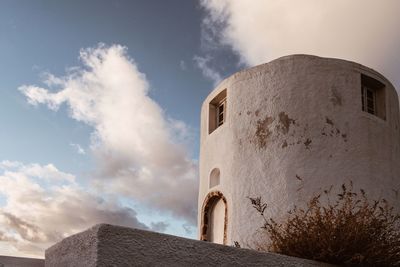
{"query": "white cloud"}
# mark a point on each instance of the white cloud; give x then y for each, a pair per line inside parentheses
(39, 212)
(203, 63)
(365, 31)
(182, 65)
(78, 148)
(138, 150)
(159, 226)
(188, 228)
(48, 172)
(9, 164)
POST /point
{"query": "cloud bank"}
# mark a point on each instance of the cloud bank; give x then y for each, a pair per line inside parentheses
(80, 150)
(203, 64)
(365, 31)
(44, 205)
(138, 149)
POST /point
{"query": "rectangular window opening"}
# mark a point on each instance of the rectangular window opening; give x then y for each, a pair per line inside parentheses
(373, 96)
(221, 112)
(217, 111)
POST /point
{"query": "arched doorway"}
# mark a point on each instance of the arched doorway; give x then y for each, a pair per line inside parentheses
(214, 219)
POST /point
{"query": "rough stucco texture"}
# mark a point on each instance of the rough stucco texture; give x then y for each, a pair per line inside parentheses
(76, 250)
(108, 245)
(20, 262)
(293, 128)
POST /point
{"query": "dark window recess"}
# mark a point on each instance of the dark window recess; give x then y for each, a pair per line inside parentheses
(373, 96)
(217, 111)
(369, 99)
(221, 113)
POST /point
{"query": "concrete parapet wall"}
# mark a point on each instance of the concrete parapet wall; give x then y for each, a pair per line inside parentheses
(108, 245)
(6, 261)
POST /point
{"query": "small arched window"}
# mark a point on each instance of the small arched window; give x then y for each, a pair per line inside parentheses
(214, 177)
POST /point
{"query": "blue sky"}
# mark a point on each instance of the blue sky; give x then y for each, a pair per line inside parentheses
(41, 36)
(100, 100)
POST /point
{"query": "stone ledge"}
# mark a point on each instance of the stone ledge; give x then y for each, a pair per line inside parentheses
(109, 245)
(6, 261)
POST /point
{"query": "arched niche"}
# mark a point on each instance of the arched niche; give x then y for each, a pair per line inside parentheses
(214, 218)
(214, 177)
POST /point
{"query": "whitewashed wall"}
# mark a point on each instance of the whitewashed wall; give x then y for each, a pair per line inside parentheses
(295, 126)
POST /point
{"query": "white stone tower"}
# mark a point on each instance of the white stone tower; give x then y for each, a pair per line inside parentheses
(287, 129)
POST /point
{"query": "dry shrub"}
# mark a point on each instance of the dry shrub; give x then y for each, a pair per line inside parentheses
(352, 230)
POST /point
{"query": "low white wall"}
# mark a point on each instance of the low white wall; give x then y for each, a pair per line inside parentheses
(108, 245)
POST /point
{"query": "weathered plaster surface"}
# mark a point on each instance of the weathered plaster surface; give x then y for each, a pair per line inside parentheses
(294, 127)
(76, 250)
(120, 246)
(20, 262)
